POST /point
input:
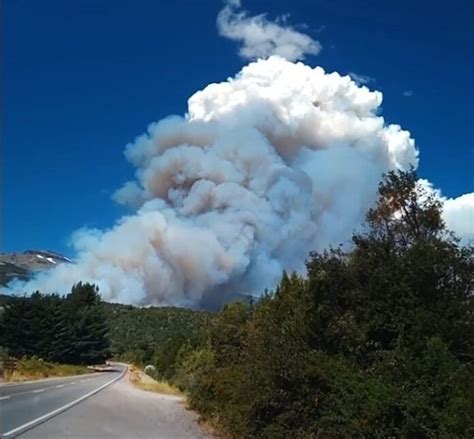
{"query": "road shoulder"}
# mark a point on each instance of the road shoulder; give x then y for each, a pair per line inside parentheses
(122, 411)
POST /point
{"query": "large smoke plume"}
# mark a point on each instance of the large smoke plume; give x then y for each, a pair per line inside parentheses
(264, 167)
(271, 164)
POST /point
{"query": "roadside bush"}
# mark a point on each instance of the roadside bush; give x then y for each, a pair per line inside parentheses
(33, 367)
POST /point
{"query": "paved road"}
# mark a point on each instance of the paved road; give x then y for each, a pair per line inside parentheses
(21, 404)
(121, 411)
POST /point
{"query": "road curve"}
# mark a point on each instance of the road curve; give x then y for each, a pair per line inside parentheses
(122, 411)
(24, 405)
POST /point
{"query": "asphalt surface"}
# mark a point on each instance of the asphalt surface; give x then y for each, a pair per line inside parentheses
(118, 411)
(22, 403)
(122, 411)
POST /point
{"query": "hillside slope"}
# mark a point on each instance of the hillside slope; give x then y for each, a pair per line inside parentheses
(23, 265)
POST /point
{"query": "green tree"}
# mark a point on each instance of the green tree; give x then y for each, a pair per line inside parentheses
(89, 327)
(66, 330)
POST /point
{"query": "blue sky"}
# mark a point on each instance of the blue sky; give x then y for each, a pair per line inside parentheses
(82, 79)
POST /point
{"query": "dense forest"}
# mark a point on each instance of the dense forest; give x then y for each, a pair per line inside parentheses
(70, 330)
(373, 342)
(139, 335)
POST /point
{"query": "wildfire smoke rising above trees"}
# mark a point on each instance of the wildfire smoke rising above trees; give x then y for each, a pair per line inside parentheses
(280, 160)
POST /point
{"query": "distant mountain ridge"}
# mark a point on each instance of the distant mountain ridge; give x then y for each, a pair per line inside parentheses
(23, 265)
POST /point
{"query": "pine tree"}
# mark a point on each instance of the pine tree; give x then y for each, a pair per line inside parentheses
(66, 330)
(85, 310)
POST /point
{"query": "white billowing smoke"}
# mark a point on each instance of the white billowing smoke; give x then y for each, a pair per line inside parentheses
(278, 161)
(458, 213)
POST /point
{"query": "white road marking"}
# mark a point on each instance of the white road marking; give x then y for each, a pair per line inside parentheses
(59, 386)
(36, 421)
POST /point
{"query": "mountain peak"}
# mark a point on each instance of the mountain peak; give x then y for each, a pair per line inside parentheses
(22, 265)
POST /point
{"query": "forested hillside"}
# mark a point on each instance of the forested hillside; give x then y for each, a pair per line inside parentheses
(57, 328)
(139, 334)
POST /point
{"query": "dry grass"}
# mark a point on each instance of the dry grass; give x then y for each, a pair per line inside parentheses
(160, 387)
(35, 369)
(144, 382)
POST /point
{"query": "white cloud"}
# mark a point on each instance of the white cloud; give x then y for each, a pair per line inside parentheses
(408, 93)
(361, 79)
(261, 38)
